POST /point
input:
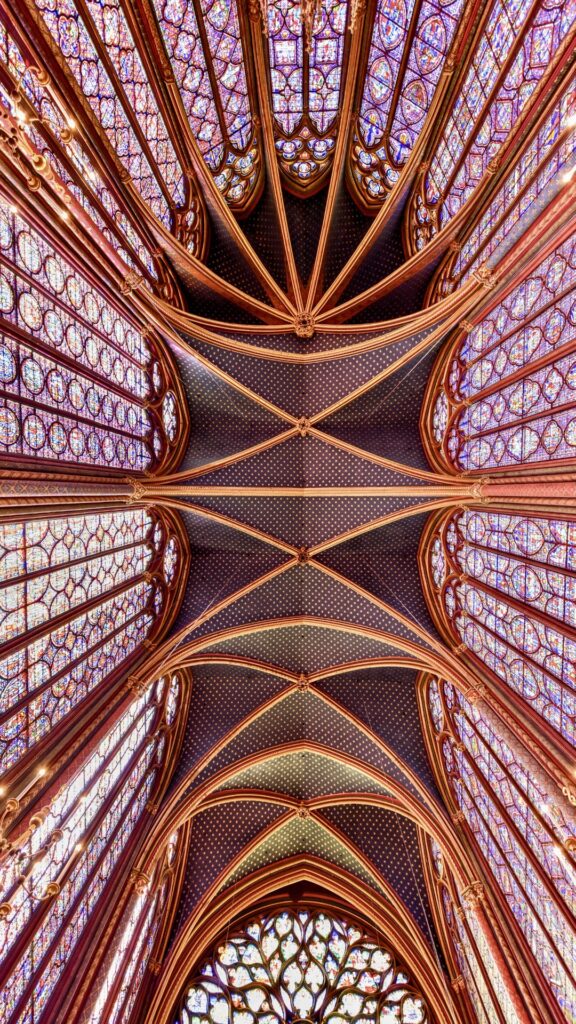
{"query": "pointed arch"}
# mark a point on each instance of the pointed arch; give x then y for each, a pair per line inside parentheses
(204, 51)
(267, 887)
(408, 63)
(501, 394)
(83, 594)
(80, 378)
(500, 584)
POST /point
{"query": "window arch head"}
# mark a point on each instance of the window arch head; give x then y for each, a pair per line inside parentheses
(302, 965)
(83, 593)
(306, 64)
(486, 409)
(407, 55)
(502, 585)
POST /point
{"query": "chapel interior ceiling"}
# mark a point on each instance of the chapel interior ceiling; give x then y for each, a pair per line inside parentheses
(290, 235)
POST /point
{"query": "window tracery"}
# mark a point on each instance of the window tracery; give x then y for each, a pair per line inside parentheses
(57, 873)
(203, 41)
(120, 982)
(484, 985)
(506, 587)
(521, 836)
(52, 136)
(152, 164)
(408, 50)
(306, 78)
(514, 53)
(544, 163)
(491, 410)
(302, 966)
(78, 596)
(78, 380)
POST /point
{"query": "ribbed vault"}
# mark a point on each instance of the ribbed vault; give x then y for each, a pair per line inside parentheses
(281, 197)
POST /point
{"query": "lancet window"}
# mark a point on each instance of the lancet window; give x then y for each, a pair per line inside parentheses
(46, 133)
(98, 46)
(203, 42)
(492, 411)
(523, 837)
(55, 880)
(408, 50)
(78, 380)
(506, 587)
(517, 47)
(302, 966)
(79, 595)
(306, 77)
(121, 979)
(475, 962)
(545, 164)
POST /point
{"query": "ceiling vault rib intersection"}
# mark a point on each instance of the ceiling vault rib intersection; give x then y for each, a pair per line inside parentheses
(287, 485)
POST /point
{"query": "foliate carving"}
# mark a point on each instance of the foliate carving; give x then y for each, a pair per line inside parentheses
(473, 895)
(303, 556)
(476, 693)
(131, 282)
(256, 9)
(303, 426)
(485, 277)
(303, 682)
(466, 325)
(304, 325)
(357, 11)
(140, 881)
(303, 810)
(137, 686)
(154, 966)
(458, 984)
(459, 817)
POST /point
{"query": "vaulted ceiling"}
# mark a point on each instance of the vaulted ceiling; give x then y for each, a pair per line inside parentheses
(279, 191)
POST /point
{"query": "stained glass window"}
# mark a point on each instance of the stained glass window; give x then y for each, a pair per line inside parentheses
(78, 595)
(507, 586)
(542, 168)
(492, 410)
(118, 987)
(83, 833)
(520, 834)
(515, 51)
(302, 966)
(203, 40)
(54, 137)
(115, 84)
(76, 376)
(491, 1002)
(306, 76)
(410, 42)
